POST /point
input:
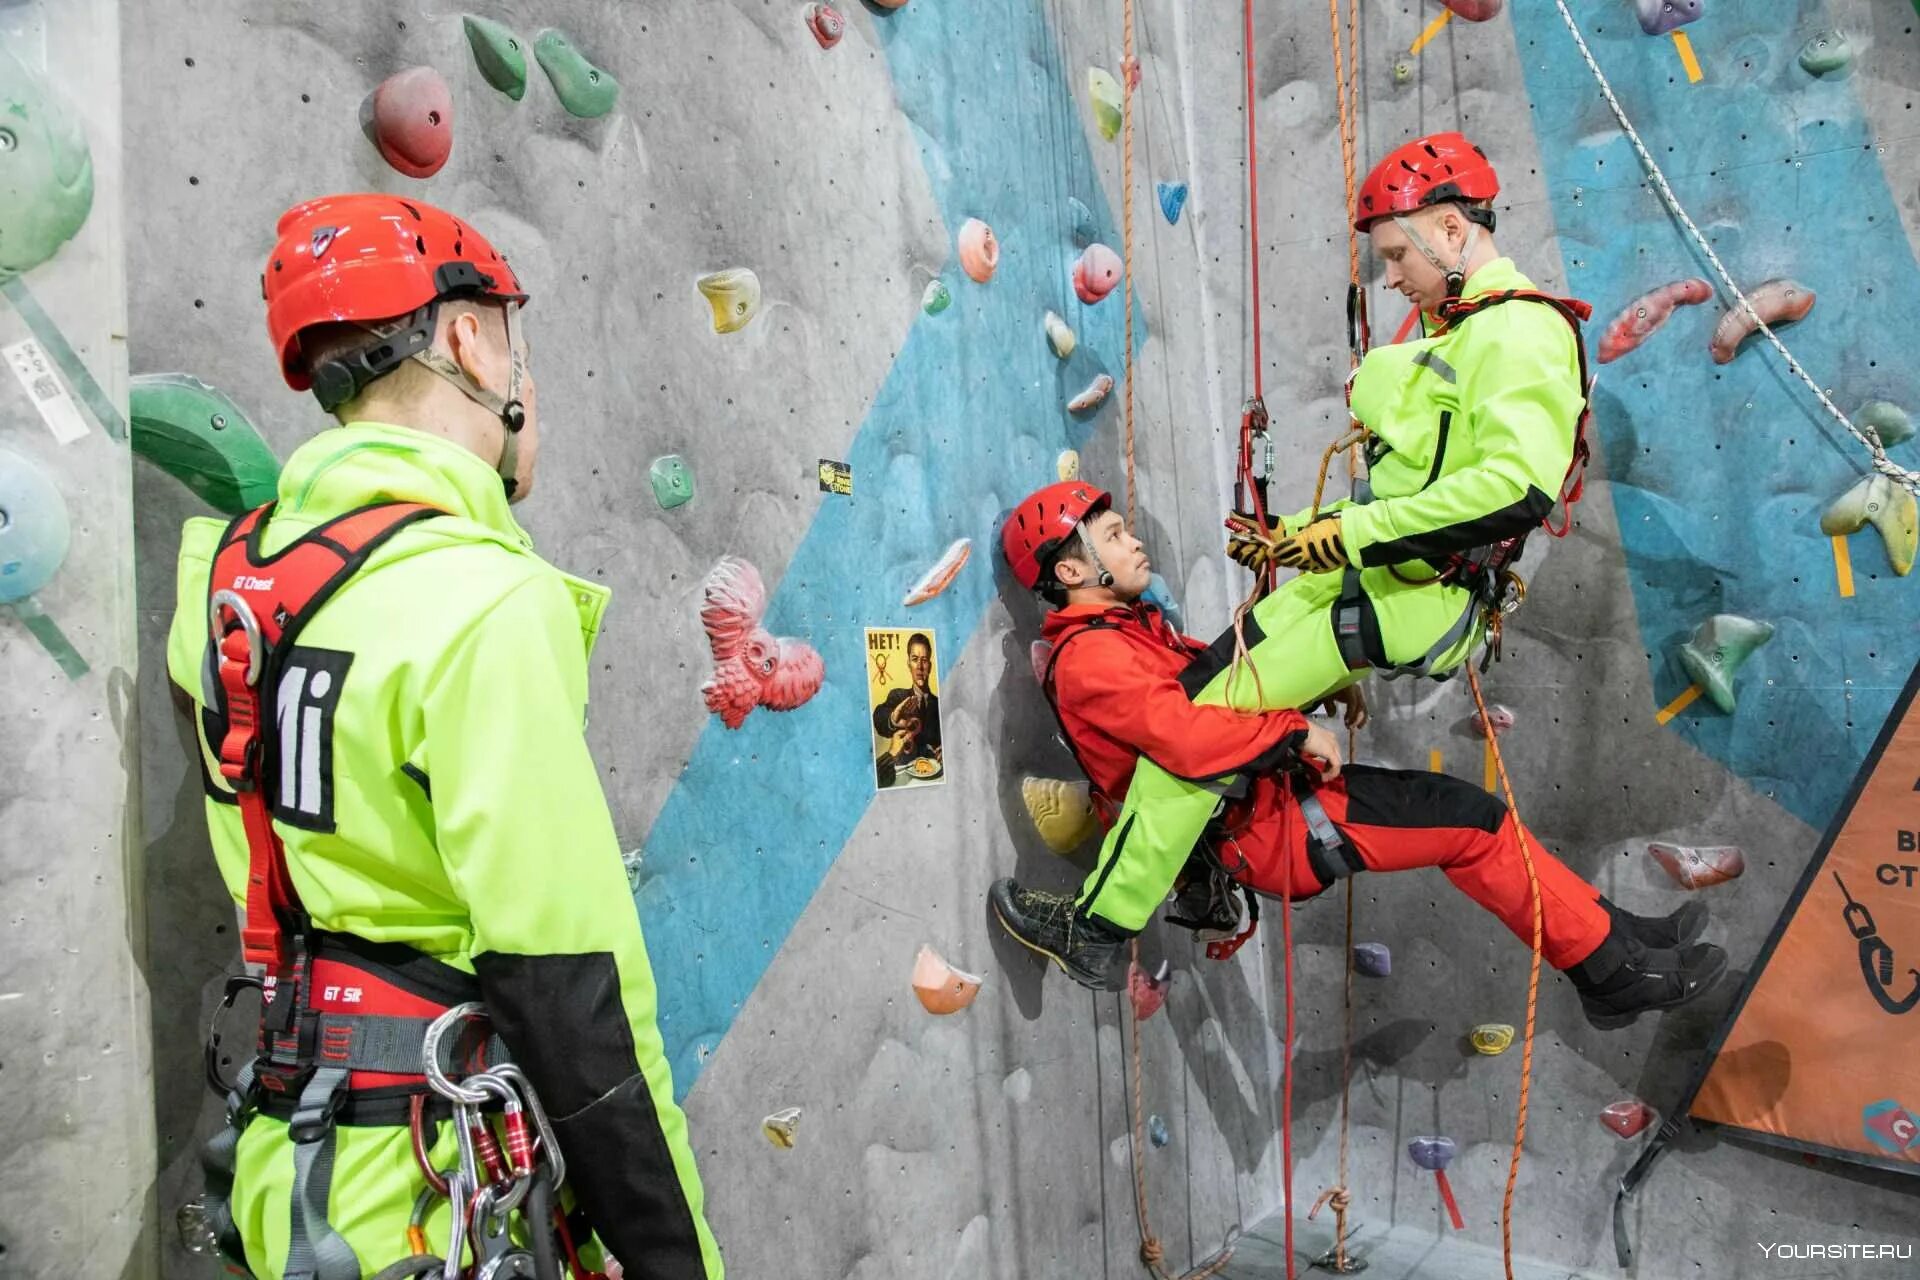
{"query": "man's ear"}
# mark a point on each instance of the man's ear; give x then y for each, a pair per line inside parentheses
(1069, 572)
(467, 345)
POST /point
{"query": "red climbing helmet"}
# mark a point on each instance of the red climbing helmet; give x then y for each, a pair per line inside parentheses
(1035, 529)
(367, 258)
(1429, 170)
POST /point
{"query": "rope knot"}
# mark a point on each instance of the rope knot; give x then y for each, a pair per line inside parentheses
(1150, 1251)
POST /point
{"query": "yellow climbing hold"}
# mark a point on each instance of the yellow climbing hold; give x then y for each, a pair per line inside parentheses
(1890, 509)
(781, 1127)
(734, 296)
(1105, 92)
(1491, 1038)
(1060, 336)
(1067, 465)
(1062, 812)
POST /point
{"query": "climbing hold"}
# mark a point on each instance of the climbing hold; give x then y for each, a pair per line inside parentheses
(1828, 51)
(34, 528)
(1432, 1154)
(1082, 221)
(891, 4)
(497, 52)
(1473, 10)
(1157, 1131)
(1718, 649)
(734, 295)
(1778, 302)
(1501, 718)
(46, 183)
(1104, 91)
(941, 987)
(1130, 73)
(944, 571)
(1096, 273)
(1491, 1038)
(1889, 508)
(1147, 991)
(1373, 959)
(412, 121)
(672, 482)
(1039, 654)
(1067, 465)
(1059, 336)
(1658, 17)
(1062, 812)
(583, 89)
(936, 298)
(1626, 1118)
(1402, 71)
(1093, 396)
(1699, 868)
(1173, 198)
(1647, 313)
(826, 24)
(781, 1127)
(979, 250)
(201, 438)
(751, 667)
(1889, 420)
(1160, 595)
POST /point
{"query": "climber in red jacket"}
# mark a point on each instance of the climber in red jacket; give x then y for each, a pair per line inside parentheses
(1118, 678)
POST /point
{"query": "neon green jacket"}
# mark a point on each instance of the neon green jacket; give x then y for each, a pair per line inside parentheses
(1474, 430)
(464, 818)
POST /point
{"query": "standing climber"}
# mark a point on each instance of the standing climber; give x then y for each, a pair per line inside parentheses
(1119, 679)
(1474, 432)
(399, 793)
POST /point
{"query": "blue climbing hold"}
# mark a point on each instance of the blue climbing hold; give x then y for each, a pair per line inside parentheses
(1372, 959)
(1083, 233)
(1173, 198)
(34, 529)
(1157, 1131)
(1160, 595)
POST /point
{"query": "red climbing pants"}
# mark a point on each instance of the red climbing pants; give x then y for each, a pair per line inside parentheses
(1399, 819)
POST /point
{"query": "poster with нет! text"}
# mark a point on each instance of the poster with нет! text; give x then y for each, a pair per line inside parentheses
(903, 699)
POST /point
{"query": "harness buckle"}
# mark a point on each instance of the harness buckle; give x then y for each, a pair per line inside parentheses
(312, 1124)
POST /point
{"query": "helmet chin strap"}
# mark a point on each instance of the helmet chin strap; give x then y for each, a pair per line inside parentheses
(512, 414)
(1093, 555)
(1456, 277)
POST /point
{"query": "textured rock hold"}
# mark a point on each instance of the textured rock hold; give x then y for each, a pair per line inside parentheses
(202, 439)
(942, 574)
(1699, 867)
(936, 298)
(1826, 52)
(1658, 17)
(979, 250)
(34, 529)
(1157, 1131)
(46, 170)
(1628, 1118)
(1491, 1038)
(1778, 302)
(1719, 648)
(1062, 812)
(782, 1127)
(1474, 10)
(751, 667)
(826, 24)
(1647, 313)
(1096, 273)
(583, 89)
(672, 481)
(1067, 465)
(734, 295)
(942, 988)
(1147, 991)
(1173, 198)
(1374, 959)
(1433, 1154)
(413, 121)
(1501, 719)
(1877, 500)
(1104, 92)
(1059, 336)
(1093, 396)
(498, 53)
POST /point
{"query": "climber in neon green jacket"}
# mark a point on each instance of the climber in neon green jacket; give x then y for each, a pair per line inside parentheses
(455, 818)
(1474, 427)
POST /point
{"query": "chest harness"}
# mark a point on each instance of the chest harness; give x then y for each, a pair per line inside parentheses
(350, 1031)
(1485, 571)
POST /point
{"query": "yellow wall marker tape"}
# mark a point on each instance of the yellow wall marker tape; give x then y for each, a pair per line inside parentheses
(1433, 29)
(1491, 774)
(1678, 705)
(1433, 757)
(1687, 60)
(1843, 567)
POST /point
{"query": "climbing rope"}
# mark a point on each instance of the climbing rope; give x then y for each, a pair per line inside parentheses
(1910, 480)
(1129, 71)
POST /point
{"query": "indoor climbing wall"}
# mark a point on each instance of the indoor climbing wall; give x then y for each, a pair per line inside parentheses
(75, 1070)
(818, 293)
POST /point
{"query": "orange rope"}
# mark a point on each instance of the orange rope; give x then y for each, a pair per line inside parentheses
(1533, 977)
(1128, 69)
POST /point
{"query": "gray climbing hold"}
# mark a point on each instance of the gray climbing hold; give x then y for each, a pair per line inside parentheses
(498, 54)
(583, 89)
(1889, 419)
(1372, 959)
(46, 170)
(1157, 1131)
(1826, 52)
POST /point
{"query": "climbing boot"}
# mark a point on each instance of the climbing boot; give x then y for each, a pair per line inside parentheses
(1051, 924)
(1625, 978)
(1673, 930)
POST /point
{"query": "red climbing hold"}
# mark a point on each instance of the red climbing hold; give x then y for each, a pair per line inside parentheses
(1647, 313)
(1473, 10)
(826, 24)
(1097, 272)
(413, 121)
(1699, 868)
(751, 667)
(1627, 1118)
(1147, 991)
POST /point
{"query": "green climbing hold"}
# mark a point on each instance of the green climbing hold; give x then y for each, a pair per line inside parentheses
(672, 482)
(46, 170)
(1720, 647)
(198, 436)
(1825, 52)
(497, 51)
(1890, 420)
(936, 298)
(1104, 92)
(583, 89)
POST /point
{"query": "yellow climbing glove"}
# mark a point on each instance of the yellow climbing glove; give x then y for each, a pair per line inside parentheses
(1316, 548)
(1250, 543)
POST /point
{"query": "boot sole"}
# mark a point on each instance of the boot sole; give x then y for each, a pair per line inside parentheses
(1615, 1021)
(1039, 950)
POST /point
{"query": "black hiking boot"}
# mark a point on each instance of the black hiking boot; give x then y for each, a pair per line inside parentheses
(1625, 978)
(1050, 924)
(1671, 931)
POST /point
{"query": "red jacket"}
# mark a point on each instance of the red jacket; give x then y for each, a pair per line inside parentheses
(1115, 686)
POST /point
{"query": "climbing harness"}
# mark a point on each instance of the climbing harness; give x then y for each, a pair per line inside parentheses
(350, 1031)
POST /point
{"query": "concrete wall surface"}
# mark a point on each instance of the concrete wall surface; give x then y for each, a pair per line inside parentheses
(783, 899)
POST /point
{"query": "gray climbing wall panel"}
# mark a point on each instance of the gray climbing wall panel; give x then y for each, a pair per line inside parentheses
(75, 1067)
(784, 903)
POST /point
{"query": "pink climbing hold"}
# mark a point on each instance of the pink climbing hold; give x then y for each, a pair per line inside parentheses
(1699, 868)
(1777, 302)
(1473, 10)
(1096, 274)
(1147, 991)
(1500, 717)
(826, 24)
(1647, 313)
(1627, 1118)
(751, 667)
(413, 121)
(1093, 396)
(944, 571)
(979, 250)
(1040, 653)
(1130, 73)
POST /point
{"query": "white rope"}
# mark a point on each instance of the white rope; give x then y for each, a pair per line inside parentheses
(1910, 480)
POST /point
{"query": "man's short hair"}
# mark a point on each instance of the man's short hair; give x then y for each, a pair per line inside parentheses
(923, 640)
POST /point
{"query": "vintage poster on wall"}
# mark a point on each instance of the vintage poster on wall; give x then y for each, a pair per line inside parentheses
(903, 697)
